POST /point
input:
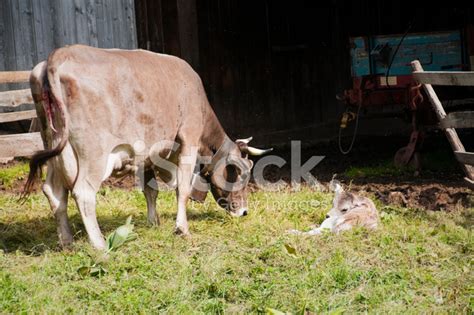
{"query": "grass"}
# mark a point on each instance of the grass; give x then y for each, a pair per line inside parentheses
(417, 262)
(432, 162)
(8, 175)
(386, 168)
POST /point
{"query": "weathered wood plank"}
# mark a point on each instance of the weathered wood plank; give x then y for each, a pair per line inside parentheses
(16, 116)
(92, 22)
(188, 32)
(23, 144)
(465, 157)
(458, 120)
(8, 49)
(43, 27)
(14, 76)
(59, 33)
(105, 33)
(3, 40)
(15, 98)
(131, 24)
(458, 78)
(451, 133)
(23, 29)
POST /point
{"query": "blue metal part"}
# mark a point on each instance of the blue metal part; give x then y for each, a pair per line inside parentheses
(441, 51)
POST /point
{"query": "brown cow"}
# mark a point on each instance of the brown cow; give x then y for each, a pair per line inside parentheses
(109, 111)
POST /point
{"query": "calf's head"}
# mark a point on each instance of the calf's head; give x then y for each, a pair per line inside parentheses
(343, 202)
(231, 175)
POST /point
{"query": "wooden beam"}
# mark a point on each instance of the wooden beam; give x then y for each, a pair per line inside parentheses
(23, 144)
(458, 78)
(458, 120)
(465, 157)
(15, 116)
(451, 133)
(14, 76)
(15, 98)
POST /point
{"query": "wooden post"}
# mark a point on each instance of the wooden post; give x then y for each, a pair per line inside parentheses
(451, 133)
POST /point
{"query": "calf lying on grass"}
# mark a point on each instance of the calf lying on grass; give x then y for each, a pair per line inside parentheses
(349, 210)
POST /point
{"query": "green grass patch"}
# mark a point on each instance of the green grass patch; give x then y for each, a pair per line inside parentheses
(8, 175)
(417, 262)
(431, 162)
(386, 168)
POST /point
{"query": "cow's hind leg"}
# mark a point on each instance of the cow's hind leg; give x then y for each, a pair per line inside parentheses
(85, 196)
(150, 190)
(57, 195)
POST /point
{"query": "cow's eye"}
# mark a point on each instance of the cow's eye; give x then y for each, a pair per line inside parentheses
(344, 210)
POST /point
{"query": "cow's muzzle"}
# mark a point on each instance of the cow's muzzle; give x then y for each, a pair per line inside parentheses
(239, 213)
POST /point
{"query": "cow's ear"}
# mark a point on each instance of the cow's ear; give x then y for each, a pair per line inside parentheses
(243, 146)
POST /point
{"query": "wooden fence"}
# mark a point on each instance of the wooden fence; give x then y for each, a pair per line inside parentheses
(23, 144)
(448, 122)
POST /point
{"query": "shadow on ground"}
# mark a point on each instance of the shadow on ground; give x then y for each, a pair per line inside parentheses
(34, 237)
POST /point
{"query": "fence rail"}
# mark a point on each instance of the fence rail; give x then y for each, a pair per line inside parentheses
(453, 78)
(453, 120)
(14, 76)
(23, 144)
(15, 98)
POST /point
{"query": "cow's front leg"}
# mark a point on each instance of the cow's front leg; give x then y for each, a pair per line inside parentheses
(150, 190)
(85, 197)
(186, 165)
(57, 195)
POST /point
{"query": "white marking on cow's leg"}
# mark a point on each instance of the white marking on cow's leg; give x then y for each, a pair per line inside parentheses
(186, 165)
(57, 195)
(150, 189)
(85, 197)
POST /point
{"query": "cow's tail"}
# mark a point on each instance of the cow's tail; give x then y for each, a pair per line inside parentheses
(53, 104)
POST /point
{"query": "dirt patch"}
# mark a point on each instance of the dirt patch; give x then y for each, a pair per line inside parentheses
(439, 186)
(434, 196)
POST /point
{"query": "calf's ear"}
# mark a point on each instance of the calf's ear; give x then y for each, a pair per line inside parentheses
(336, 186)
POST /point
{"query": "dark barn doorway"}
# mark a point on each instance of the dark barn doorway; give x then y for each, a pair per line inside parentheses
(272, 69)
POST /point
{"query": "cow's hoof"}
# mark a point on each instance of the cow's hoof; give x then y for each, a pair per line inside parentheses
(65, 242)
(154, 222)
(182, 231)
(99, 244)
(66, 247)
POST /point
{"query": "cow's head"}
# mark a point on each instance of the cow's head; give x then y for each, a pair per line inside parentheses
(231, 174)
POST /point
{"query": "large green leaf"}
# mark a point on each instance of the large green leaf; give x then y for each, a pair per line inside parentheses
(121, 235)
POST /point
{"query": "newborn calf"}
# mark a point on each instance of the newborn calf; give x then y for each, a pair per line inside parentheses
(348, 210)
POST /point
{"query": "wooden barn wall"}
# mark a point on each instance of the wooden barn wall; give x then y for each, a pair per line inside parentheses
(272, 71)
(31, 29)
(272, 68)
(262, 71)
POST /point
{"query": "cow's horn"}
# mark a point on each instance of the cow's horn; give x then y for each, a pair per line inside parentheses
(256, 152)
(244, 140)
